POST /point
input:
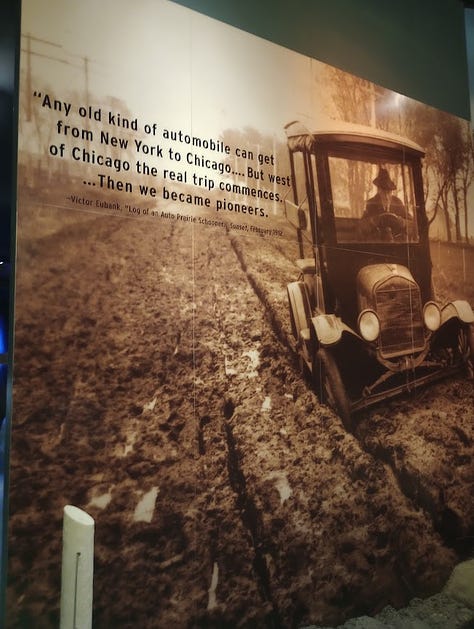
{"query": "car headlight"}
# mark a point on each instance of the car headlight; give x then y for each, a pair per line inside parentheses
(369, 325)
(432, 316)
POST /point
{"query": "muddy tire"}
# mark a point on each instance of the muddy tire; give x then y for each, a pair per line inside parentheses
(300, 308)
(300, 318)
(330, 388)
(468, 338)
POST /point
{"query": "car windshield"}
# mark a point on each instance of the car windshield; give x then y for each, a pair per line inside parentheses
(373, 201)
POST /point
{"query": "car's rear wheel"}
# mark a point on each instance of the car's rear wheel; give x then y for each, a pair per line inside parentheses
(471, 347)
(300, 309)
(330, 387)
(300, 317)
(465, 347)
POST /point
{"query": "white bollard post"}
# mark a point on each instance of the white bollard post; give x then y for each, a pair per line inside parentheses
(77, 569)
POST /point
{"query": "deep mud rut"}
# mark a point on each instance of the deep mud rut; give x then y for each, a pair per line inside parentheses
(155, 388)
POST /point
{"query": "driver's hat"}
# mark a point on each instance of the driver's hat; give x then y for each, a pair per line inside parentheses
(383, 180)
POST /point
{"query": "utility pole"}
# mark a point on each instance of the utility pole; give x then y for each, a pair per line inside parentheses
(29, 55)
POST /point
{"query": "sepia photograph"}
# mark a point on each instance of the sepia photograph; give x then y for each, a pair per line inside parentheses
(243, 327)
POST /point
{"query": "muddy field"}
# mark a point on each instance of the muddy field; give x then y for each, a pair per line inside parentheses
(155, 388)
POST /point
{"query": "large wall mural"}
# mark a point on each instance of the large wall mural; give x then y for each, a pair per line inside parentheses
(257, 386)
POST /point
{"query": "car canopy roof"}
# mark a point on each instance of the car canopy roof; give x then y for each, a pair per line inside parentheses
(301, 137)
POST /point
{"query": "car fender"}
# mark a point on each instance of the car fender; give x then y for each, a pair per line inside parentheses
(458, 309)
(329, 328)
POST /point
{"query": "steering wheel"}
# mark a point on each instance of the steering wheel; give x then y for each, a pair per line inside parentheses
(389, 225)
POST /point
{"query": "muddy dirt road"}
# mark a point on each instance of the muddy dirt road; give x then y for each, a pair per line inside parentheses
(155, 388)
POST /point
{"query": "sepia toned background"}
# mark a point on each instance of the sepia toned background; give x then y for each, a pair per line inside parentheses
(154, 384)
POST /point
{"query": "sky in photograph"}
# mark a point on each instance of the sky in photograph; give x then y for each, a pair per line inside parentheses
(170, 65)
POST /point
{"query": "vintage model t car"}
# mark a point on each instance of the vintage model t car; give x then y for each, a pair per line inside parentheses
(365, 321)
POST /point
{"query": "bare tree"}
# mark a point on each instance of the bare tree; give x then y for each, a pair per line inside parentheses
(353, 97)
(448, 163)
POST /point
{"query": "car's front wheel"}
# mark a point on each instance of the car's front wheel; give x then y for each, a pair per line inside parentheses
(330, 387)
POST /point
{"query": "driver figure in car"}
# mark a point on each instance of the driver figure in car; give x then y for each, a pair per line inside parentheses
(385, 214)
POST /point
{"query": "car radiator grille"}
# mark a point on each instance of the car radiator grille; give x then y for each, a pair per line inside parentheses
(398, 304)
